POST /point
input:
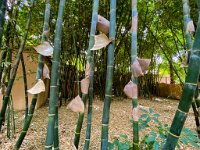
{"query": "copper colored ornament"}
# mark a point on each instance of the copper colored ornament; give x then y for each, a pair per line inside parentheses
(76, 105)
(136, 69)
(135, 114)
(103, 24)
(85, 85)
(144, 64)
(131, 90)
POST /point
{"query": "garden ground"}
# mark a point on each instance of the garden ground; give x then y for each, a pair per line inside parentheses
(119, 123)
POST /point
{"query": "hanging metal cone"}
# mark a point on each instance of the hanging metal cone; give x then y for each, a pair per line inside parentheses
(87, 70)
(76, 105)
(144, 64)
(85, 85)
(131, 90)
(136, 69)
(103, 24)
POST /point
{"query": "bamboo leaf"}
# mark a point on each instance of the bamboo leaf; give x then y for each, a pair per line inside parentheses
(103, 24)
(100, 41)
(44, 49)
(76, 105)
(46, 72)
(37, 88)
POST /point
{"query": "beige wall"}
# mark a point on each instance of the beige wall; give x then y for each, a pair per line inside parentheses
(18, 87)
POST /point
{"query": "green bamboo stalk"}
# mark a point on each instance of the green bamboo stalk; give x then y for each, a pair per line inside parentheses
(54, 76)
(188, 92)
(90, 59)
(14, 71)
(2, 18)
(134, 79)
(109, 77)
(25, 86)
(56, 137)
(38, 76)
(84, 96)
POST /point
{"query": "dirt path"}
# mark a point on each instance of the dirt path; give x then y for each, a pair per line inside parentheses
(119, 123)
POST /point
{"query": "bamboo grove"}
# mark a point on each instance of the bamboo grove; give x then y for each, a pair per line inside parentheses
(104, 48)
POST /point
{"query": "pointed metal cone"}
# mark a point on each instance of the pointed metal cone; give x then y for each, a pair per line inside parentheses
(190, 26)
(44, 49)
(85, 85)
(37, 88)
(76, 105)
(136, 69)
(87, 70)
(101, 41)
(131, 90)
(103, 24)
(144, 63)
(46, 72)
(135, 114)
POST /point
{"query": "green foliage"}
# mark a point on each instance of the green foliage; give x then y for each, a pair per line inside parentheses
(155, 134)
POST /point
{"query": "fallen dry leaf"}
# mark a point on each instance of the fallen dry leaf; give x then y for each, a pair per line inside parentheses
(100, 41)
(103, 24)
(76, 105)
(46, 72)
(44, 49)
(37, 88)
(131, 90)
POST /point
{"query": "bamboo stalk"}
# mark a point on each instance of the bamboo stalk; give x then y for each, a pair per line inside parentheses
(134, 79)
(2, 18)
(38, 76)
(54, 76)
(90, 59)
(188, 92)
(109, 77)
(14, 71)
(84, 96)
(25, 86)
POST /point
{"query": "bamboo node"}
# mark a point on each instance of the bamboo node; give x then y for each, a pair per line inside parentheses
(135, 143)
(87, 139)
(51, 115)
(48, 146)
(77, 133)
(176, 136)
(53, 86)
(108, 95)
(194, 84)
(109, 66)
(182, 111)
(30, 115)
(104, 124)
(56, 148)
(24, 131)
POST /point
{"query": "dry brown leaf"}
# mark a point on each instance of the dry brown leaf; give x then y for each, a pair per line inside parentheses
(190, 26)
(135, 114)
(46, 72)
(136, 69)
(85, 85)
(144, 63)
(131, 90)
(100, 41)
(44, 49)
(37, 88)
(76, 105)
(3, 89)
(103, 24)
(87, 70)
